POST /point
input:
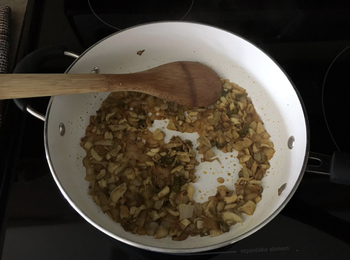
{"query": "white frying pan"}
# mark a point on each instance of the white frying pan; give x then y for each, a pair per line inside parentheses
(233, 58)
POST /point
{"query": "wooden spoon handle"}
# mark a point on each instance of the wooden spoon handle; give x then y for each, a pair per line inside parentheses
(38, 85)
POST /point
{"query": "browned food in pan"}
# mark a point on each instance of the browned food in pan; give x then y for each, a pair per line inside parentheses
(144, 183)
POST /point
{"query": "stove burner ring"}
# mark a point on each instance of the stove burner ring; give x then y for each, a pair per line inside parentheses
(334, 97)
(118, 29)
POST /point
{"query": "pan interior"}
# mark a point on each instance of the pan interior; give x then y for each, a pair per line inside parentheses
(231, 57)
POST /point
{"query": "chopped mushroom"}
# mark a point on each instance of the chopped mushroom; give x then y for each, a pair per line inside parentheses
(231, 199)
(161, 232)
(95, 155)
(222, 190)
(118, 192)
(185, 222)
(88, 145)
(200, 224)
(190, 192)
(230, 206)
(210, 210)
(101, 174)
(133, 210)
(124, 212)
(164, 192)
(216, 232)
(230, 217)
(220, 206)
(152, 228)
(158, 135)
(158, 204)
(173, 212)
(154, 215)
(248, 208)
(108, 135)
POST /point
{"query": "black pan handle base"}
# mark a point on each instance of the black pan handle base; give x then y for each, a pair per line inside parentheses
(337, 166)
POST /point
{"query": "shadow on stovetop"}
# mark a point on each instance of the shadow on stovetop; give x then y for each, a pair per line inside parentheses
(300, 229)
(283, 238)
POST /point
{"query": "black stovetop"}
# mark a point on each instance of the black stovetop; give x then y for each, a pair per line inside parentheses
(304, 37)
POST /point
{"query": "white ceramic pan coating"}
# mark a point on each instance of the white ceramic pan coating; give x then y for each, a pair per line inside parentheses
(233, 58)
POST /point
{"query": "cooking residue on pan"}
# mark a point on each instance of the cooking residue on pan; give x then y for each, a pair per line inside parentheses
(144, 183)
(281, 189)
(220, 180)
(140, 52)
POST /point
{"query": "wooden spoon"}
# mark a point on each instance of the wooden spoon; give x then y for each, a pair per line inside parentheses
(187, 83)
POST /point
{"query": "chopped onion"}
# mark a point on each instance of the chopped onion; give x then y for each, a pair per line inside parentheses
(186, 211)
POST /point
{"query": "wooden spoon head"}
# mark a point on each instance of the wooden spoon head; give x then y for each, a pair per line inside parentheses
(188, 83)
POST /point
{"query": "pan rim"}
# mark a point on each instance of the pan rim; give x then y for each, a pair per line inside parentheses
(181, 250)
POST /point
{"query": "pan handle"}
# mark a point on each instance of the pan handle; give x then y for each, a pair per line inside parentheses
(337, 166)
(31, 64)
